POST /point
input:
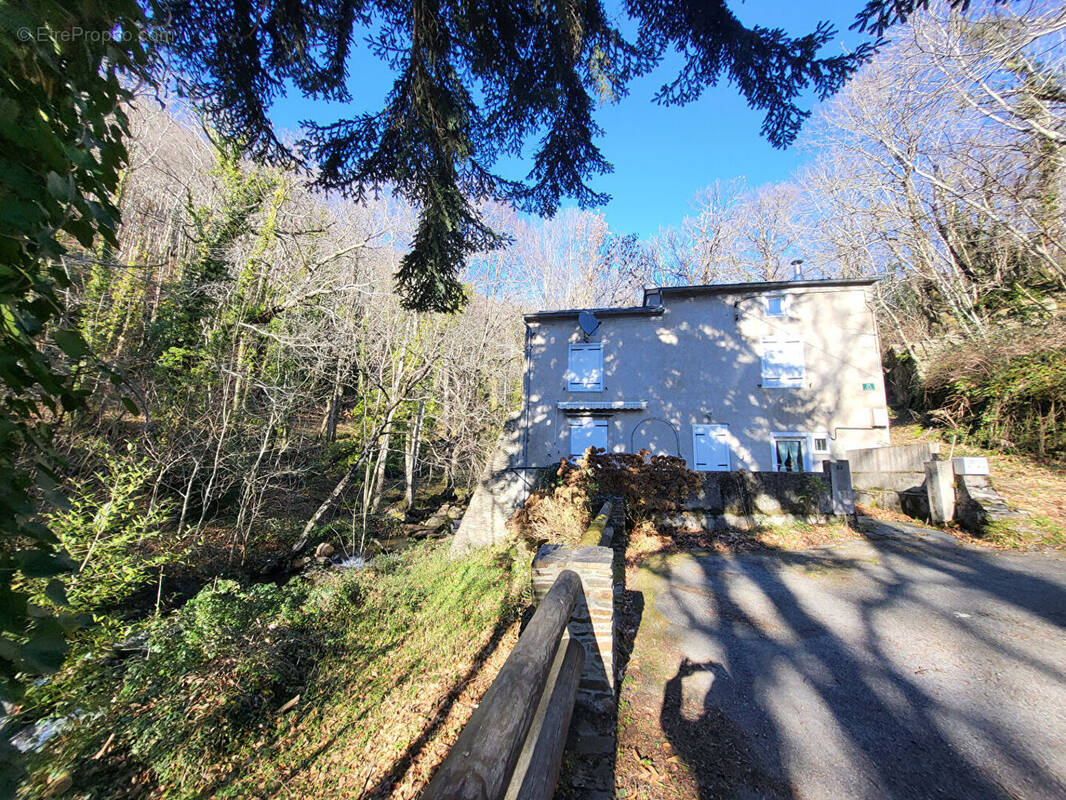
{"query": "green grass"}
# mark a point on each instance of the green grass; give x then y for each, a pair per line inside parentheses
(372, 656)
(1027, 534)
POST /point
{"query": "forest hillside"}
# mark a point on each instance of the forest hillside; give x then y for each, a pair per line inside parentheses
(258, 449)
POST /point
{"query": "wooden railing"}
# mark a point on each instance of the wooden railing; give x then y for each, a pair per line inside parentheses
(512, 747)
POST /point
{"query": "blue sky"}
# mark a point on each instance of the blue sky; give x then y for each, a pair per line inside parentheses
(661, 155)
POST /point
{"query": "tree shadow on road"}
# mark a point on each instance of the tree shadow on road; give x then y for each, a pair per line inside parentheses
(775, 697)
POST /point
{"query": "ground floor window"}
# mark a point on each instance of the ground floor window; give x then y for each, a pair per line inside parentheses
(798, 451)
(586, 432)
(789, 454)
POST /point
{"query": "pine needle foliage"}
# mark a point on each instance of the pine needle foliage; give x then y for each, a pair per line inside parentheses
(477, 83)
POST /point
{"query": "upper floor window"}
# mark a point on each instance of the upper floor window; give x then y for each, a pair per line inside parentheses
(585, 368)
(782, 363)
(776, 305)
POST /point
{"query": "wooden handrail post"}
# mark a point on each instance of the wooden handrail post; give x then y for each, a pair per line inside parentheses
(512, 746)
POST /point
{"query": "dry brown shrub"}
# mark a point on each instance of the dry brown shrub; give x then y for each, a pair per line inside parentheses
(648, 483)
(560, 512)
(557, 513)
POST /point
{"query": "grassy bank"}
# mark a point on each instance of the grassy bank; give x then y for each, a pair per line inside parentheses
(350, 684)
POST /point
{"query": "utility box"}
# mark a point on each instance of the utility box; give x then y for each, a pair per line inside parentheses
(971, 465)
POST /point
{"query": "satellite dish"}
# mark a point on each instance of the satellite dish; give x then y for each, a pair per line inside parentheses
(588, 322)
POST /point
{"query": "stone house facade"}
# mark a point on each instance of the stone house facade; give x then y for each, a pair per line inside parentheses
(758, 376)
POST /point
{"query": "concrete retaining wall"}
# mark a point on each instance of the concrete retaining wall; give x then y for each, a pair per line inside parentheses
(893, 477)
(501, 491)
(900, 458)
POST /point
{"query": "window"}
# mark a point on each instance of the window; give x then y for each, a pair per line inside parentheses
(788, 454)
(776, 305)
(798, 451)
(586, 432)
(782, 363)
(585, 368)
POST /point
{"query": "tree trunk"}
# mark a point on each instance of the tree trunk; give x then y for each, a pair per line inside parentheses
(186, 495)
(383, 455)
(414, 435)
(327, 504)
(453, 465)
(329, 422)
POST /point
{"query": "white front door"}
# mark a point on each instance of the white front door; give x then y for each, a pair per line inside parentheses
(586, 432)
(710, 448)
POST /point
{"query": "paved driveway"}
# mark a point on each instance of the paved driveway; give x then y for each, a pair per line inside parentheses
(900, 666)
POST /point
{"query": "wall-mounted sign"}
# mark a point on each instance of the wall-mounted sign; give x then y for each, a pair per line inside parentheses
(867, 387)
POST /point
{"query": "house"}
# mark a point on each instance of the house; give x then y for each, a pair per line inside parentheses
(758, 376)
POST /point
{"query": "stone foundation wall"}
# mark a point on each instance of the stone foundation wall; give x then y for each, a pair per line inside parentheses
(743, 500)
(744, 493)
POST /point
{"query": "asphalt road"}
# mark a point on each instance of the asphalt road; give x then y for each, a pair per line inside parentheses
(900, 666)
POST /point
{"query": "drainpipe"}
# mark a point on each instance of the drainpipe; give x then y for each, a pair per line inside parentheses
(527, 377)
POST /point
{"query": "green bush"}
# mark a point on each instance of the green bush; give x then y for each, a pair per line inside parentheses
(1009, 401)
(230, 657)
(106, 528)
(205, 679)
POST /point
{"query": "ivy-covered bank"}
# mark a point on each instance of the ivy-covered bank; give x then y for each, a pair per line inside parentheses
(336, 684)
(1013, 401)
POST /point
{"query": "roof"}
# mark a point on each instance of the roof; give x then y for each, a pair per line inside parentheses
(709, 288)
(629, 311)
(758, 286)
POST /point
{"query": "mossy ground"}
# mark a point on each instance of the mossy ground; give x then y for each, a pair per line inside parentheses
(1030, 533)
